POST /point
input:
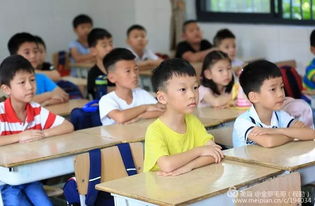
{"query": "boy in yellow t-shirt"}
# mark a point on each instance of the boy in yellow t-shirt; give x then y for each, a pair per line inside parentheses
(177, 142)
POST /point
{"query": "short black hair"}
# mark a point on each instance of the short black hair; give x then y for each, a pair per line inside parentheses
(209, 60)
(191, 21)
(18, 39)
(169, 68)
(39, 40)
(221, 35)
(116, 55)
(255, 73)
(135, 27)
(312, 38)
(97, 34)
(81, 19)
(11, 65)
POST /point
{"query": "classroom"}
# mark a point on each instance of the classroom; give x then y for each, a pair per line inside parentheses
(142, 102)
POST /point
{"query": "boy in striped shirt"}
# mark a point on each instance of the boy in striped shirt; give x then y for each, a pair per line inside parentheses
(24, 121)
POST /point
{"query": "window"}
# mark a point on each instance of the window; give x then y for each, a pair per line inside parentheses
(257, 11)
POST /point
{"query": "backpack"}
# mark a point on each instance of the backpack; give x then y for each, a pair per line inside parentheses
(86, 117)
(292, 82)
(95, 197)
(71, 89)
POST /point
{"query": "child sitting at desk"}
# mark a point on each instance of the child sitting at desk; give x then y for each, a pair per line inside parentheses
(178, 142)
(47, 92)
(101, 43)
(45, 67)
(217, 82)
(264, 123)
(309, 77)
(194, 48)
(137, 41)
(24, 121)
(79, 50)
(126, 103)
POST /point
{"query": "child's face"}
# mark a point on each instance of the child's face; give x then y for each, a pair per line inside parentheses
(271, 94)
(103, 47)
(137, 39)
(82, 30)
(125, 74)
(181, 94)
(220, 72)
(192, 33)
(22, 87)
(228, 46)
(29, 50)
(41, 54)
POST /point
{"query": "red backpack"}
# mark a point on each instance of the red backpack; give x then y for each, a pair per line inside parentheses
(292, 82)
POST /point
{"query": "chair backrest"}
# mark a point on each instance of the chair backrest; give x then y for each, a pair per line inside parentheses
(112, 165)
(61, 62)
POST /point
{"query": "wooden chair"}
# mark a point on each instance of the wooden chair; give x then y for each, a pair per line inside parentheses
(282, 190)
(112, 166)
(223, 136)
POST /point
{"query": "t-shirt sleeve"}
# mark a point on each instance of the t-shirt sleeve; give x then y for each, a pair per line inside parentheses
(49, 119)
(107, 104)
(285, 119)
(152, 56)
(155, 147)
(50, 85)
(201, 134)
(241, 129)
(72, 44)
(182, 47)
(145, 97)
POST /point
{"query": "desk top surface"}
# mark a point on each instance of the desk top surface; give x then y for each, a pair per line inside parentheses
(194, 186)
(291, 156)
(65, 109)
(50, 148)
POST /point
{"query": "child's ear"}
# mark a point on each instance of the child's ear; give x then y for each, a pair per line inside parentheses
(208, 74)
(161, 97)
(253, 97)
(6, 89)
(111, 77)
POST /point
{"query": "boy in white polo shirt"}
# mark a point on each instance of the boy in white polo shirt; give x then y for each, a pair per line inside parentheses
(126, 103)
(264, 124)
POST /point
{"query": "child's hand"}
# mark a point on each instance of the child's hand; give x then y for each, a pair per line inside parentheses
(30, 135)
(298, 124)
(177, 172)
(212, 150)
(257, 131)
(155, 108)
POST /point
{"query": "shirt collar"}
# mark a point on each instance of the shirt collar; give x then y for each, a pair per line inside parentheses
(11, 114)
(273, 123)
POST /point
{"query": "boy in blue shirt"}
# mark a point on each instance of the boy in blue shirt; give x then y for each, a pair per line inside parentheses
(264, 123)
(47, 92)
(309, 77)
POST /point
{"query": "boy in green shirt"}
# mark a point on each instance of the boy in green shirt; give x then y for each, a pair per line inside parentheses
(178, 142)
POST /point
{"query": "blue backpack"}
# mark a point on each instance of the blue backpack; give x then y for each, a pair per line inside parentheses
(95, 197)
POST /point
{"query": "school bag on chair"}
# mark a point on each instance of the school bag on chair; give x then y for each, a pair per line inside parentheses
(86, 117)
(292, 82)
(131, 155)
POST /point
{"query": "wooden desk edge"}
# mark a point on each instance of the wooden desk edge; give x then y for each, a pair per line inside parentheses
(202, 197)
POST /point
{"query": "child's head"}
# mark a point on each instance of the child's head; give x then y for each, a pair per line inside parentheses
(312, 41)
(216, 72)
(41, 50)
(191, 32)
(24, 44)
(100, 42)
(176, 85)
(225, 41)
(17, 78)
(262, 83)
(137, 37)
(82, 25)
(121, 68)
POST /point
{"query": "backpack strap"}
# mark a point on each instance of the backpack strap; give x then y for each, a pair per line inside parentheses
(126, 156)
(94, 176)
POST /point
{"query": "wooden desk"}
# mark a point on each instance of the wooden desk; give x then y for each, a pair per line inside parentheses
(204, 186)
(293, 156)
(50, 157)
(65, 109)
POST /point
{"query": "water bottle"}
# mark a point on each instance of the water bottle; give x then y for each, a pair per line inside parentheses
(101, 86)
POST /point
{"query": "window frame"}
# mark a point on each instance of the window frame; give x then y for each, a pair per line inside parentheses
(274, 17)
